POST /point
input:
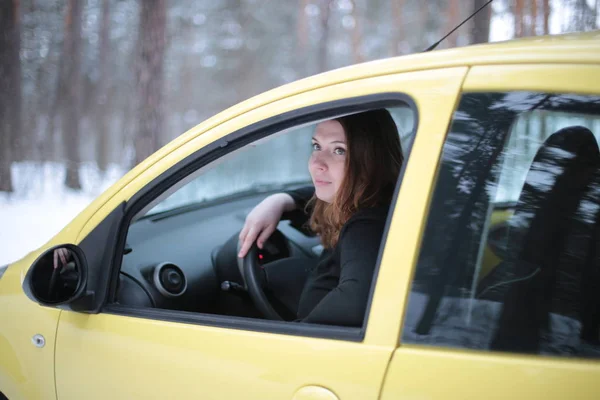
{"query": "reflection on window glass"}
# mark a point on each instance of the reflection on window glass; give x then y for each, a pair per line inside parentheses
(274, 163)
(528, 133)
(510, 259)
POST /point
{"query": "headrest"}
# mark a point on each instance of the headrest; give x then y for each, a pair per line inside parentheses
(571, 144)
(557, 177)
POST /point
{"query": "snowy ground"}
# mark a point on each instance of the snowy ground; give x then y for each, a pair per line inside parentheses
(41, 205)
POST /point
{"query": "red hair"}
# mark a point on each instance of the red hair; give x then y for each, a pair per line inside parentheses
(371, 171)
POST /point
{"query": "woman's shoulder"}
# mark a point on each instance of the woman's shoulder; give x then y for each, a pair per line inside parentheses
(363, 230)
(376, 214)
(367, 217)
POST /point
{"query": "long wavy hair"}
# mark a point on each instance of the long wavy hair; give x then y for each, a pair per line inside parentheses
(373, 162)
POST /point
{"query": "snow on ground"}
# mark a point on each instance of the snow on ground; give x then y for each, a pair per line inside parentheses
(41, 206)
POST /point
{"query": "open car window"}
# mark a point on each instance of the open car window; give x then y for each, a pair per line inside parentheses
(181, 247)
(275, 163)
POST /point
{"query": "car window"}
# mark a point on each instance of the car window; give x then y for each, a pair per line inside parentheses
(510, 257)
(276, 163)
(181, 253)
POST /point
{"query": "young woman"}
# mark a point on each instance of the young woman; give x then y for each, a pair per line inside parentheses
(354, 167)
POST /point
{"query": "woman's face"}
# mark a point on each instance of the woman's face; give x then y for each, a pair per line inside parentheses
(328, 159)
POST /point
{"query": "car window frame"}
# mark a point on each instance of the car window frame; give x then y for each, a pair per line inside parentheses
(223, 146)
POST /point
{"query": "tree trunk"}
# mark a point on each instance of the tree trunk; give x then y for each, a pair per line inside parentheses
(151, 43)
(423, 24)
(102, 131)
(546, 17)
(453, 15)
(519, 18)
(534, 17)
(325, 11)
(71, 111)
(480, 32)
(302, 29)
(398, 7)
(356, 36)
(10, 91)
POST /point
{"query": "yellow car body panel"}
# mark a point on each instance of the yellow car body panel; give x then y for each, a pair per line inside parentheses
(490, 259)
(26, 371)
(575, 78)
(87, 344)
(417, 372)
(467, 374)
(265, 365)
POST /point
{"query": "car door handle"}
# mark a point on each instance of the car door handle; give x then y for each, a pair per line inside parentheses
(314, 393)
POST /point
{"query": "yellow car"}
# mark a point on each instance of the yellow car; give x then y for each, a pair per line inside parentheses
(487, 283)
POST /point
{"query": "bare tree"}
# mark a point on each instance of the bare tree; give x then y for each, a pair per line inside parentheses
(10, 90)
(356, 35)
(150, 65)
(519, 18)
(453, 16)
(398, 8)
(480, 32)
(302, 28)
(534, 17)
(546, 4)
(101, 114)
(325, 12)
(72, 92)
(584, 16)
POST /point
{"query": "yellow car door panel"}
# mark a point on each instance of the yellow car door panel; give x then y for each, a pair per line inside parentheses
(144, 353)
(503, 300)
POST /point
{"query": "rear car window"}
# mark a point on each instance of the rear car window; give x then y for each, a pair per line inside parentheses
(510, 258)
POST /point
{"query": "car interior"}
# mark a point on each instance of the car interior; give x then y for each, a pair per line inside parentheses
(184, 257)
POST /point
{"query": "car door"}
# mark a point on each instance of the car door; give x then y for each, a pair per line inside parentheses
(120, 353)
(503, 300)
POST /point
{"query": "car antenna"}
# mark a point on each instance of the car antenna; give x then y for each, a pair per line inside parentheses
(433, 46)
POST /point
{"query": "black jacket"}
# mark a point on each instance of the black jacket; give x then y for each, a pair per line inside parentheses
(337, 289)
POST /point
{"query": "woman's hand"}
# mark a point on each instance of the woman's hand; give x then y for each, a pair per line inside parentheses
(63, 255)
(262, 221)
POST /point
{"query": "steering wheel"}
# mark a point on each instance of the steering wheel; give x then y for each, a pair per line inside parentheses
(253, 276)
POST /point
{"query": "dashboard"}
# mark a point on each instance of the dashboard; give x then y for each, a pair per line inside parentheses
(187, 259)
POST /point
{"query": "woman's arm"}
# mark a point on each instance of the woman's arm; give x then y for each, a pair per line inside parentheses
(301, 195)
(262, 221)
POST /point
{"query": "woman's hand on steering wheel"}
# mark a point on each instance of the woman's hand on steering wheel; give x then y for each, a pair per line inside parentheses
(262, 221)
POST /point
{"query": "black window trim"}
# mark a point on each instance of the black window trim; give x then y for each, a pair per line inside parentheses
(225, 145)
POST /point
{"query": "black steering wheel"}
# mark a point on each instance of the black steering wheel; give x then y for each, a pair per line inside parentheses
(254, 279)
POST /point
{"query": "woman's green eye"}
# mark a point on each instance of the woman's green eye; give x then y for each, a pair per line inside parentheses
(315, 146)
(339, 151)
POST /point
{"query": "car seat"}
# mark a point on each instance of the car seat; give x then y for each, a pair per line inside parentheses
(550, 241)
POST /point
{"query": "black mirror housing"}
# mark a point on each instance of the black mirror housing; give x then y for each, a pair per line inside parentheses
(58, 277)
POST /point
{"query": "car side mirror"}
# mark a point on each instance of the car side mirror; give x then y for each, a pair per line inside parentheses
(57, 277)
